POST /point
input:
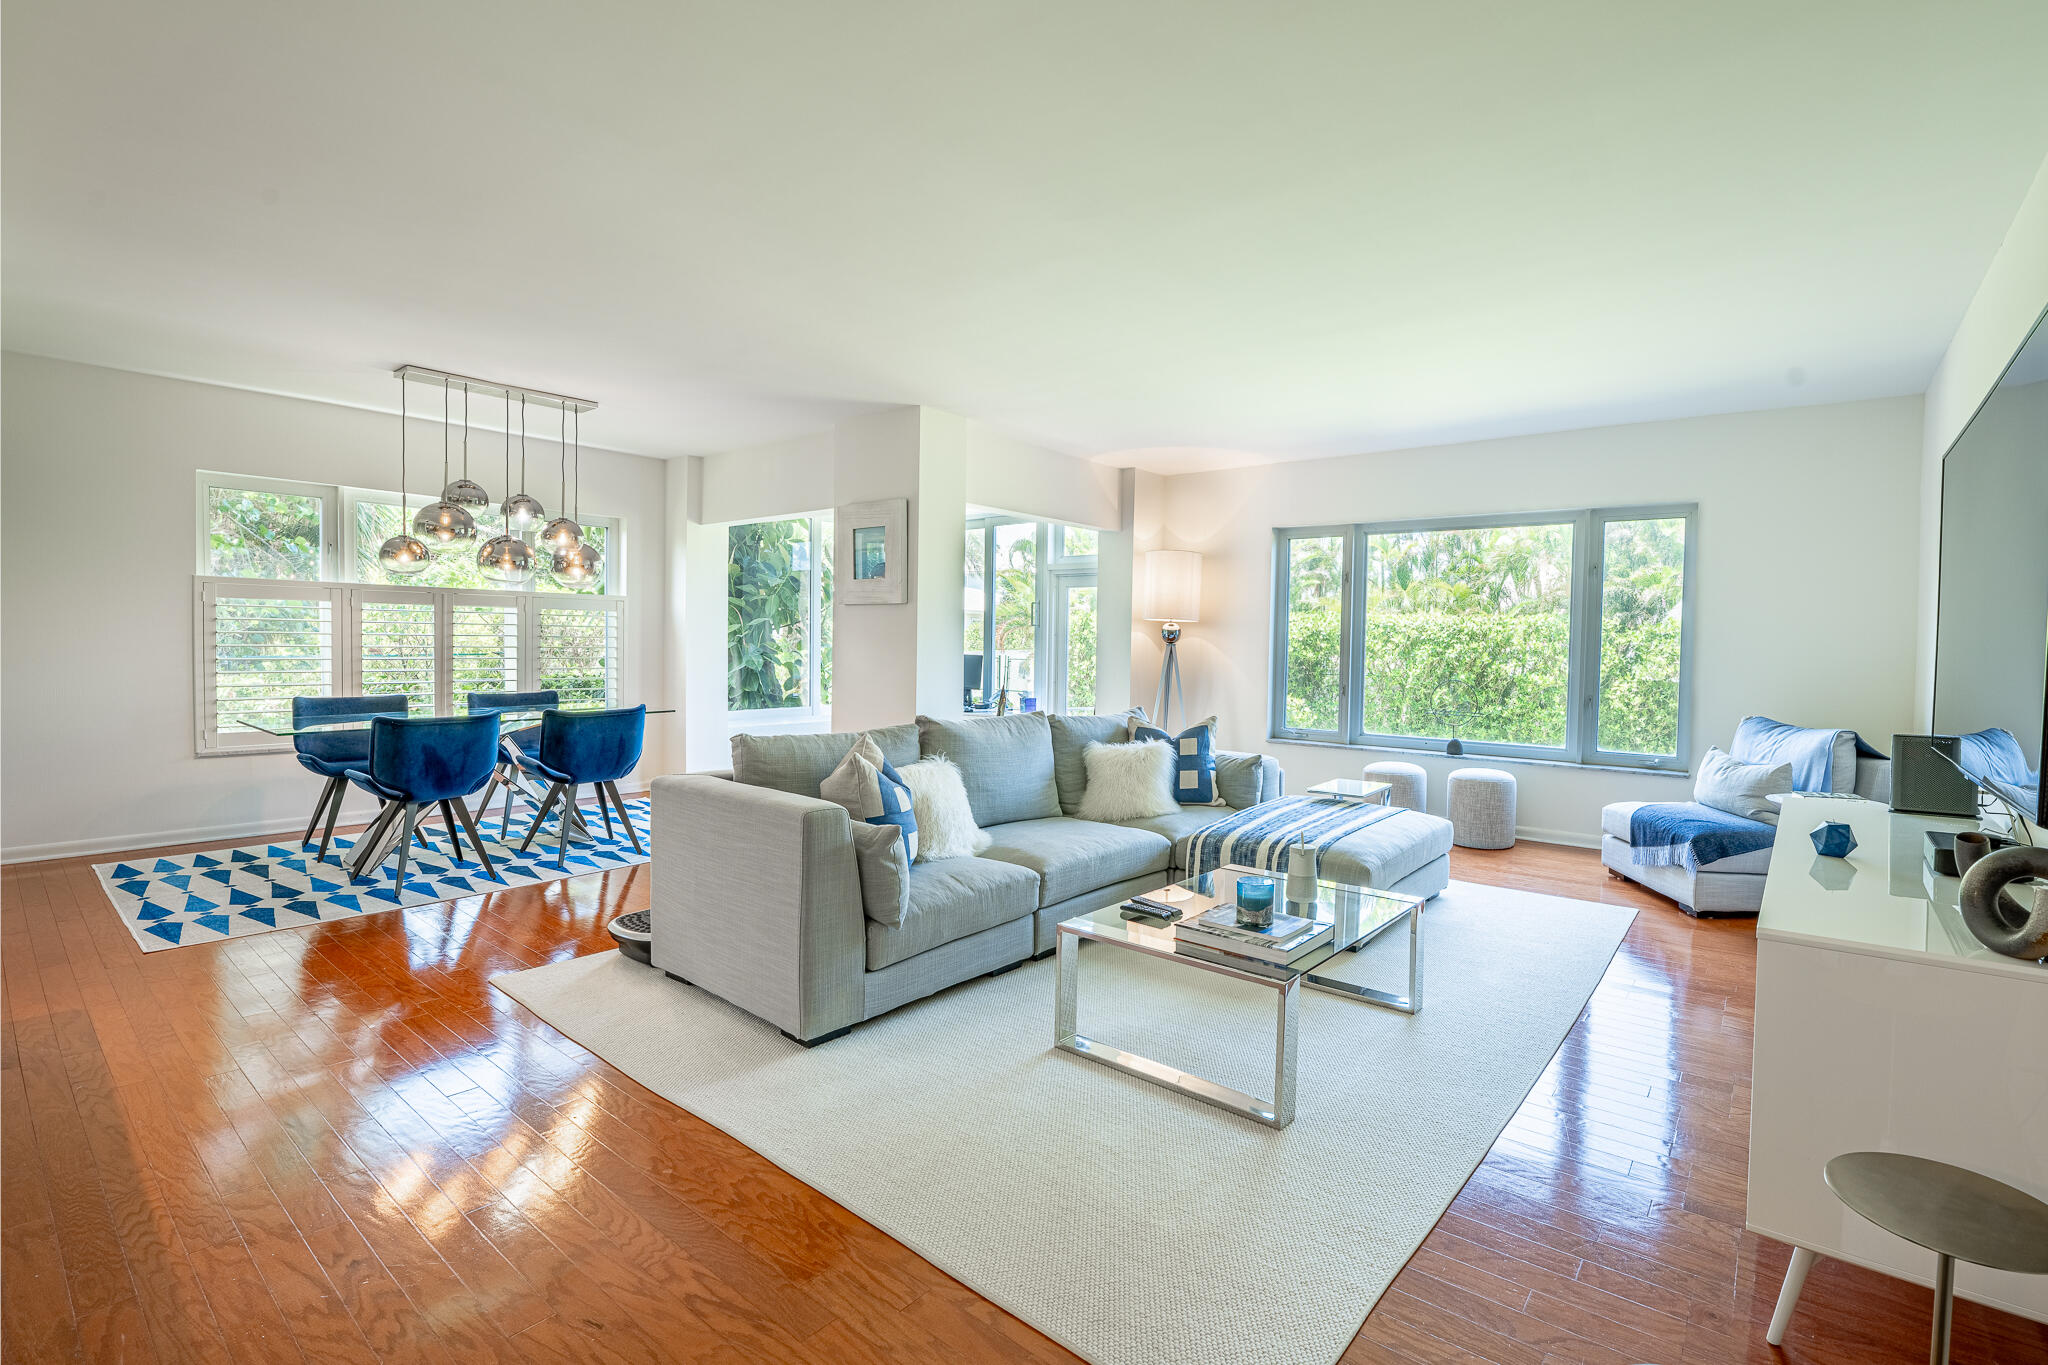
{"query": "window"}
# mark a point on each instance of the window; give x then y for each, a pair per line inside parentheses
(778, 616)
(1031, 615)
(375, 519)
(1557, 635)
(276, 617)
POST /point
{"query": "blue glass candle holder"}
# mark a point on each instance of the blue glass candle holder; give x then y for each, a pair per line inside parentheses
(1255, 902)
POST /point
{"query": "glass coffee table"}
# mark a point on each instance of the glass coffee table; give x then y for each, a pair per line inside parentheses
(1357, 914)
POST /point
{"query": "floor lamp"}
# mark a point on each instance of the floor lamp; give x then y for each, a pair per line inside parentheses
(1173, 596)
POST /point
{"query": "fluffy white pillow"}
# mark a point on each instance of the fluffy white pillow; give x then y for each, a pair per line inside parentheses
(1128, 781)
(945, 822)
(1740, 788)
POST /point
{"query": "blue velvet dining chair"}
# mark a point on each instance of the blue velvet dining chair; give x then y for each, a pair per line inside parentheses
(415, 764)
(578, 748)
(511, 744)
(330, 754)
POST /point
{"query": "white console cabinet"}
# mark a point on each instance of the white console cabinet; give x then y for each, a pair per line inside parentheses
(1882, 1025)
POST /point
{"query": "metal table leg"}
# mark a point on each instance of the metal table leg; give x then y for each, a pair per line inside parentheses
(1275, 1113)
(1410, 1003)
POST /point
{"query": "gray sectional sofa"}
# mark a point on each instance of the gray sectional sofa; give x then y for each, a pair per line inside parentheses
(757, 897)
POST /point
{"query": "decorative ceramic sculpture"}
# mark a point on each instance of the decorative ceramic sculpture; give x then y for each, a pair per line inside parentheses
(2006, 910)
(1833, 839)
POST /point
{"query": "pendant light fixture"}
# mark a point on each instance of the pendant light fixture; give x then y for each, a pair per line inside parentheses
(563, 533)
(578, 563)
(522, 511)
(402, 554)
(505, 558)
(444, 521)
(462, 492)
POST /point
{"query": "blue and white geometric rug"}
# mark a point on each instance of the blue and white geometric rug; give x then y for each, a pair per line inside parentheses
(259, 888)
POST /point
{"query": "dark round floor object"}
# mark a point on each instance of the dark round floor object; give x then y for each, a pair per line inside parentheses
(634, 934)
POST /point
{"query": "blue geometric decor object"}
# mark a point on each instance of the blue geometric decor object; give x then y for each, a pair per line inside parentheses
(1833, 839)
(270, 887)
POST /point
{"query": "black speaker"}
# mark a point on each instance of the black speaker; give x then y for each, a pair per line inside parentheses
(1925, 779)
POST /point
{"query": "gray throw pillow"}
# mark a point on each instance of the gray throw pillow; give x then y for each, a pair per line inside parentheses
(1237, 779)
(884, 872)
(1071, 736)
(1004, 761)
(1729, 784)
(799, 764)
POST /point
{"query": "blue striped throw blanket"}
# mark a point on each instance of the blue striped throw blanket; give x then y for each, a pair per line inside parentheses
(1687, 834)
(1254, 837)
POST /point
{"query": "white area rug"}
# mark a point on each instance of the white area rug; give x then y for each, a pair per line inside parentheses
(189, 898)
(1123, 1220)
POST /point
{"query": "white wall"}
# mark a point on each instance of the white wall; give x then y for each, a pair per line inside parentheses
(2007, 304)
(1805, 601)
(96, 643)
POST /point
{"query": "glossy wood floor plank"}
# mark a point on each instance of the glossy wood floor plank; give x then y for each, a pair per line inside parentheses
(341, 1144)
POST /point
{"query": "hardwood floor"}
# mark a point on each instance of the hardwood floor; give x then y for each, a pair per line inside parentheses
(341, 1144)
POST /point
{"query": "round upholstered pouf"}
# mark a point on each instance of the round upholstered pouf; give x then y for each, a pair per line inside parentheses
(1409, 782)
(1482, 802)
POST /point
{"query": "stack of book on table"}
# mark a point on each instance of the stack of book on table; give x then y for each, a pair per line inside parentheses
(1289, 938)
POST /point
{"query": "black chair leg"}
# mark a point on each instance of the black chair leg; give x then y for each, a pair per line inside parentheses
(448, 819)
(612, 789)
(605, 810)
(405, 846)
(327, 834)
(547, 804)
(562, 848)
(469, 824)
(329, 795)
(368, 841)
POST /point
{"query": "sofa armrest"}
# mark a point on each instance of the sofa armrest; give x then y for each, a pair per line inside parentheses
(757, 899)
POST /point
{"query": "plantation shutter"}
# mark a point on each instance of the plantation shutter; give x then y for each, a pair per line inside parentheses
(261, 644)
(577, 650)
(396, 646)
(483, 646)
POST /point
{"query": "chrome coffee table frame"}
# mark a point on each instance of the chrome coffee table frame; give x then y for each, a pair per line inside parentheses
(1343, 905)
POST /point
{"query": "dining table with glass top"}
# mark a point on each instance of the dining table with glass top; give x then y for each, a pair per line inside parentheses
(513, 777)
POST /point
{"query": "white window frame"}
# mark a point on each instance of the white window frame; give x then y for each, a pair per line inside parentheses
(1588, 583)
(331, 528)
(814, 709)
(1055, 572)
(345, 677)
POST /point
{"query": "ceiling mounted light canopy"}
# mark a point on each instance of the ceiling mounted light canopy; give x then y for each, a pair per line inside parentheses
(402, 554)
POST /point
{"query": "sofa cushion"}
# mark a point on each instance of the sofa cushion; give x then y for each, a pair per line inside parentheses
(950, 899)
(1729, 784)
(1194, 755)
(1071, 736)
(1614, 822)
(1387, 850)
(1006, 762)
(1076, 856)
(799, 764)
(884, 867)
(1240, 778)
(1183, 822)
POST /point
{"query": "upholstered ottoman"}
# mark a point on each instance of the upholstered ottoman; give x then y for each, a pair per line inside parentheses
(1409, 852)
(1409, 781)
(1482, 807)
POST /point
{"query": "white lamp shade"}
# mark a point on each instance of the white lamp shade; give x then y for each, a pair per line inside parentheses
(1173, 585)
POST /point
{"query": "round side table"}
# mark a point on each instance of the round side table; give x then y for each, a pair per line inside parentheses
(1958, 1215)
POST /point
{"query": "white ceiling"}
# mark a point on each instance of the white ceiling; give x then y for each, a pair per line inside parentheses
(1197, 232)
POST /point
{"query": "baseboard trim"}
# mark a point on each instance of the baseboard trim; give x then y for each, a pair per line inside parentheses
(201, 834)
(1569, 838)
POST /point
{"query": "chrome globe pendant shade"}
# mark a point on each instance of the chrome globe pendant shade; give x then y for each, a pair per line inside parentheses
(522, 511)
(506, 559)
(463, 492)
(443, 521)
(563, 532)
(581, 562)
(402, 554)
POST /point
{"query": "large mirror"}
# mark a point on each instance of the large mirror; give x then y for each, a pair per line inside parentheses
(1991, 642)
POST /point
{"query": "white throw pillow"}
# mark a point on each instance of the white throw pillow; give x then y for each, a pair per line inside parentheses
(1128, 781)
(1740, 788)
(945, 822)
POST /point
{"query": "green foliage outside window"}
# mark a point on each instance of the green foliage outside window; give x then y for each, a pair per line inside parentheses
(1470, 630)
(768, 592)
(455, 566)
(253, 534)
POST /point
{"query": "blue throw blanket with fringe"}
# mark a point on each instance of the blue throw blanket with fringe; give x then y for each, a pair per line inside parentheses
(1687, 834)
(1254, 836)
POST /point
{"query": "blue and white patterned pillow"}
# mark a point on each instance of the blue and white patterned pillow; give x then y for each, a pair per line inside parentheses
(1194, 753)
(870, 788)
